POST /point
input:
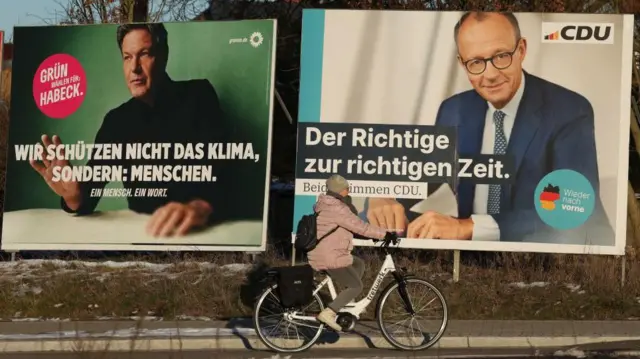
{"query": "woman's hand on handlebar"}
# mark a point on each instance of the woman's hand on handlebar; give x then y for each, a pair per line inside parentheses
(391, 237)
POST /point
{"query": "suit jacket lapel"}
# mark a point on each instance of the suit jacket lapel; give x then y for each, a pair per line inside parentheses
(524, 129)
(470, 131)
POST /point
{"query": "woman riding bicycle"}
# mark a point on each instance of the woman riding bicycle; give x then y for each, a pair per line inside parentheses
(338, 220)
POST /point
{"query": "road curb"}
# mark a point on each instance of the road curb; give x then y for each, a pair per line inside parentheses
(238, 343)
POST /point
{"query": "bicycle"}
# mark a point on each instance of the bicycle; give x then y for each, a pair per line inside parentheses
(350, 314)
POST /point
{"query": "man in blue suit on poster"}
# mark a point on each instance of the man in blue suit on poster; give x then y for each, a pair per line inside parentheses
(541, 125)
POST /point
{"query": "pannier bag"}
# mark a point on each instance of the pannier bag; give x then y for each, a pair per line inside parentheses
(295, 285)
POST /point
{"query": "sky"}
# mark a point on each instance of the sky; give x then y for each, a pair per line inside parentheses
(25, 13)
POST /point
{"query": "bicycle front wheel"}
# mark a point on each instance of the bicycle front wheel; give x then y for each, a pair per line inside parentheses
(280, 333)
(413, 332)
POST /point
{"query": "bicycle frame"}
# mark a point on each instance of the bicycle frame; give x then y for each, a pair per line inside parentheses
(354, 308)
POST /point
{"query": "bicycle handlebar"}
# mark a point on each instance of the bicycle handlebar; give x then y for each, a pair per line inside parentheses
(386, 242)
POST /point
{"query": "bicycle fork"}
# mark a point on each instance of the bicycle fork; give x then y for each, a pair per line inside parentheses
(402, 288)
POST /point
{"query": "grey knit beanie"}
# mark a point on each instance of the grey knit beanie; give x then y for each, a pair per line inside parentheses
(337, 184)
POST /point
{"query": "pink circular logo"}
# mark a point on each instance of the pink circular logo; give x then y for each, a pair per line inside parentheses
(59, 86)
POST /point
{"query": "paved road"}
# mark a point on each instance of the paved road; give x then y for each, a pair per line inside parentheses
(455, 328)
(497, 329)
(314, 354)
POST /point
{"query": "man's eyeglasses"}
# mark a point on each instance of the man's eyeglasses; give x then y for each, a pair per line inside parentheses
(500, 61)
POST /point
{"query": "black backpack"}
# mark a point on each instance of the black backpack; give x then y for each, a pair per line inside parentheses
(307, 233)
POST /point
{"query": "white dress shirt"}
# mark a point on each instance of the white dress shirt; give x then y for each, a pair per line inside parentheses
(485, 227)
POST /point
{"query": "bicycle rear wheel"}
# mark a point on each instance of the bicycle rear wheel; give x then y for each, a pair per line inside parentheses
(391, 307)
(278, 332)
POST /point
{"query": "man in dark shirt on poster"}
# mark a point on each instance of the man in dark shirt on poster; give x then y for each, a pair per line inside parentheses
(160, 111)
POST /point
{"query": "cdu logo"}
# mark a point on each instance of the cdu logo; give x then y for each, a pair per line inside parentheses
(577, 33)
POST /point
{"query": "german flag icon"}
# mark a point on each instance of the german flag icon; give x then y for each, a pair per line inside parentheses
(549, 195)
(552, 36)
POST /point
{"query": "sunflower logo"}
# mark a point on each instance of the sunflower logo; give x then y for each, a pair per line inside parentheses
(256, 39)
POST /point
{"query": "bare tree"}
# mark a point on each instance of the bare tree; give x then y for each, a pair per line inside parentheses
(73, 12)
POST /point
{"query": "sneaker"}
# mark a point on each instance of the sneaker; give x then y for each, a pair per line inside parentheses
(328, 317)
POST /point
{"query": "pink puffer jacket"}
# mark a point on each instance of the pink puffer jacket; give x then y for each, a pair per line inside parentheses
(334, 251)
